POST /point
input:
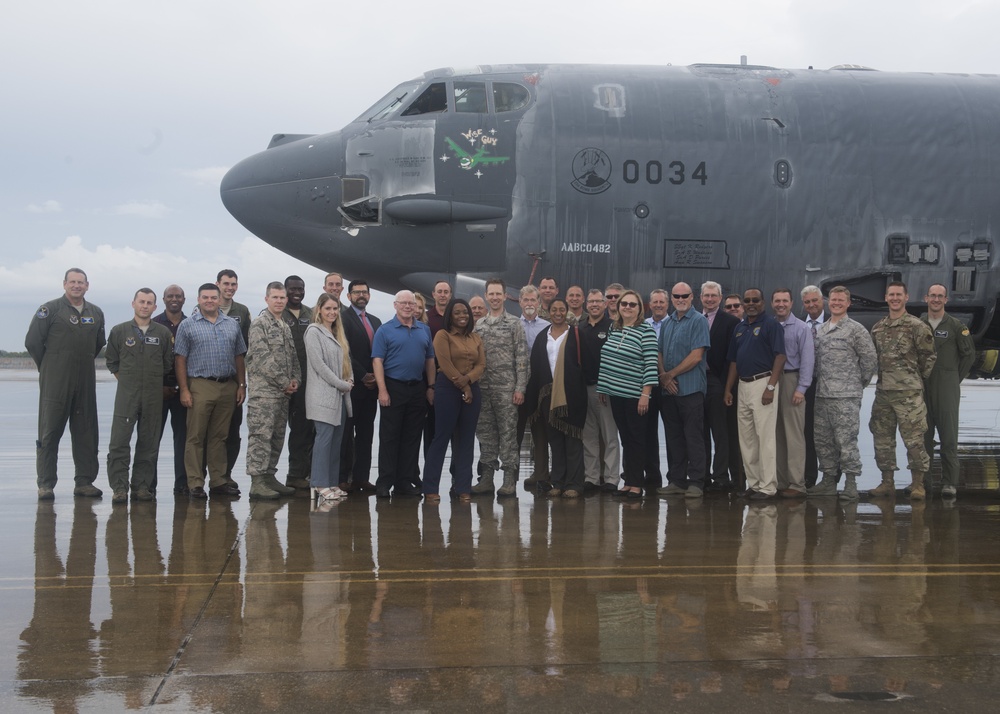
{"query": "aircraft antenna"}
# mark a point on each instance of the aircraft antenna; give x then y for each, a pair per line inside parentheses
(536, 259)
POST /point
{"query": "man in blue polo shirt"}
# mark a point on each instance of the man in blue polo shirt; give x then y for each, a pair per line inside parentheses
(683, 369)
(211, 375)
(403, 364)
(757, 359)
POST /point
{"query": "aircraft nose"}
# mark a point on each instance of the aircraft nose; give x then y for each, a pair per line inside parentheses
(296, 180)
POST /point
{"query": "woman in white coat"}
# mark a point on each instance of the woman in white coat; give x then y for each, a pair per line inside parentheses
(328, 395)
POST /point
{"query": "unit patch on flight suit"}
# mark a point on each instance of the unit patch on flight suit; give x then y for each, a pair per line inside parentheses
(42, 313)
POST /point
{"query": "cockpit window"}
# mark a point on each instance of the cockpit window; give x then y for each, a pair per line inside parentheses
(470, 97)
(432, 100)
(509, 97)
(389, 103)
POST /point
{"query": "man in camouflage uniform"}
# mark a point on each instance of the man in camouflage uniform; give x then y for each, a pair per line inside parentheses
(140, 352)
(502, 388)
(301, 433)
(905, 359)
(63, 339)
(845, 364)
(273, 376)
(955, 354)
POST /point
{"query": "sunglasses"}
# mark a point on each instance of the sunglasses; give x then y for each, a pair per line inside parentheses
(612, 297)
(752, 301)
(626, 303)
(733, 306)
(685, 296)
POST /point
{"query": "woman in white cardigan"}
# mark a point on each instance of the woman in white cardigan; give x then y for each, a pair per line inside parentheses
(328, 395)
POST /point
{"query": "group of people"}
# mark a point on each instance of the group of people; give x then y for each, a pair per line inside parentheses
(750, 401)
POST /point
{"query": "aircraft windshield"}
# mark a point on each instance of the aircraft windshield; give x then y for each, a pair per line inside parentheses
(389, 103)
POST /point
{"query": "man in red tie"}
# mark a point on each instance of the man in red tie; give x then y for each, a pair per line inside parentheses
(356, 448)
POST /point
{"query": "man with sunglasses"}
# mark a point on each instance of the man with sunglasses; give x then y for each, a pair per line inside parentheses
(721, 325)
(734, 306)
(757, 360)
(611, 294)
(682, 369)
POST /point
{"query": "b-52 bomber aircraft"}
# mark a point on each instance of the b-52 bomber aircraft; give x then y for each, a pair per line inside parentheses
(743, 174)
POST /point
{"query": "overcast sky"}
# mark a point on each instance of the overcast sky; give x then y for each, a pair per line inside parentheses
(119, 117)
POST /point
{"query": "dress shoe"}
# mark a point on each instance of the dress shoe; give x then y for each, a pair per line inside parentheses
(345, 487)
(198, 492)
(142, 494)
(46, 494)
(181, 490)
(792, 493)
(759, 496)
(120, 496)
(609, 488)
(589, 487)
(671, 490)
(301, 484)
(363, 487)
(382, 493)
(226, 489)
(407, 489)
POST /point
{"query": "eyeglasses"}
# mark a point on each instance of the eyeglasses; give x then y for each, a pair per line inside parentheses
(733, 306)
(626, 303)
(685, 296)
(595, 301)
(752, 301)
(359, 292)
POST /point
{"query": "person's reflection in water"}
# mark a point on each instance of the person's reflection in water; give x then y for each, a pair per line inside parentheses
(57, 643)
(134, 640)
(325, 604)
(756, 579)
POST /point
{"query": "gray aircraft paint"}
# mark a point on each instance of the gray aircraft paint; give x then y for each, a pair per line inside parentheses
(750, 176)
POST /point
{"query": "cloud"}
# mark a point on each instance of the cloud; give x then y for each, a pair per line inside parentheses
(49, 206)
(208, 176)
(143, 209)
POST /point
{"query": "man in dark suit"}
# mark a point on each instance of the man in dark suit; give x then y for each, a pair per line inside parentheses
(812, 300)
(356, 449)
(720, 331)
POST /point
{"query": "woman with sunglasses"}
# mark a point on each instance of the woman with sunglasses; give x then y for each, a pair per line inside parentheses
(557, 391)
(627, 377)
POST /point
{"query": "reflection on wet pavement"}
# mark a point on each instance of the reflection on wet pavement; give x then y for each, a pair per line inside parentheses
(524, 604)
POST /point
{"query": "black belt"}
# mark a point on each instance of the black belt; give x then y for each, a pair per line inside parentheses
(407, 382)
(220, 380)
(754, 378)
(791, 371)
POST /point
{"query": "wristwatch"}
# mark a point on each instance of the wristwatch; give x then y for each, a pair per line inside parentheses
(770, 387)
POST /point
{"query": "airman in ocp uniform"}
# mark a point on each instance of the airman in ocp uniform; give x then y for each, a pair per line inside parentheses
(906, 357)
(64, 338)
(502, 389)
(273, 375)
(140, 352)
(943, 390)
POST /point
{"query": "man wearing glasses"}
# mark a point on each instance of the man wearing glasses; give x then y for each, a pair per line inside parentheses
(757, 359)
(734, 306)
(403, 364)
(356, 448)
(682, 369)
(611, 294)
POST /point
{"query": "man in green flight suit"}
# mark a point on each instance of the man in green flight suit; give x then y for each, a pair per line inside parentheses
(139, 353)
(64, 338)
(943, 389)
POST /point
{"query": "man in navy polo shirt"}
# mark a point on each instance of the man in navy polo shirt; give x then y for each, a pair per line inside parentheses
(403, 364)
(757, 359)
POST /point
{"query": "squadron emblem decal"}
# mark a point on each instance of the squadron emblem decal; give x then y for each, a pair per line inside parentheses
(591, 171)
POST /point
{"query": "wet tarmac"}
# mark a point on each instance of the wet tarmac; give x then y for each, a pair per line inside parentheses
(526, 604)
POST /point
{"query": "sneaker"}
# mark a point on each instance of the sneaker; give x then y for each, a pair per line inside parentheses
(693, 492)
(88, 490)
(672, 490)
(948, 492)
(571, 493)
(120, 496)
(46, 494)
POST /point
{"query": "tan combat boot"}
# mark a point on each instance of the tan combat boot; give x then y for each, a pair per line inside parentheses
(886, 488)
(917, 487)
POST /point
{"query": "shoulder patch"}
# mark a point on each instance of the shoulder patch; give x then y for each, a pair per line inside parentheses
(42, 313)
